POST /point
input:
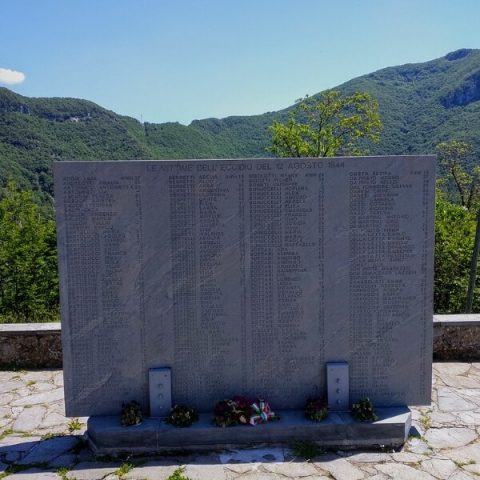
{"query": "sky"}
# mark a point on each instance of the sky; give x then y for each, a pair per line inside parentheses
(180, 60)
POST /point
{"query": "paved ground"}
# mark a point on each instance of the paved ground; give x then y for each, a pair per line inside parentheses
(38, 442)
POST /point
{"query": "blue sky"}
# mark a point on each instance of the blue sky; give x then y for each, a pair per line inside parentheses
(180, 60)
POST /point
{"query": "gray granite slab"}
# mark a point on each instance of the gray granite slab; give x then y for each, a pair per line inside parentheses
(245, 276)
(107, 436)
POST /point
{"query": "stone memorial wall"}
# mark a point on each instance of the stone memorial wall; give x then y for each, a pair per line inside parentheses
(245, 277)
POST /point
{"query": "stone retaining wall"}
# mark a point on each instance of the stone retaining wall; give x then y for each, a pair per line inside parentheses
(30, 345)
(38, 345)
(456, 337)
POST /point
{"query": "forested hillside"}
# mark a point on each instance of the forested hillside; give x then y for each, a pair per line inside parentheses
(420, 105)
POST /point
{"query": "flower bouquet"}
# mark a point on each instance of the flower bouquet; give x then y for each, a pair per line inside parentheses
(182, 416)
(241, 410)
(316, 409)
(131, 414)
(363, 411)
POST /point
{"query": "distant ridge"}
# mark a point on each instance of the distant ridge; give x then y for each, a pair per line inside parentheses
(420, 104)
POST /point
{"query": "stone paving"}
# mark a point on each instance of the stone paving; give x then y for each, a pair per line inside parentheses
(38, 442)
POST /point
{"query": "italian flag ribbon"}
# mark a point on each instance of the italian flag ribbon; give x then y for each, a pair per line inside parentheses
(261, 412)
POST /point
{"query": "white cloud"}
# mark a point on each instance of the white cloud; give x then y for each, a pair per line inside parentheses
(11, 77)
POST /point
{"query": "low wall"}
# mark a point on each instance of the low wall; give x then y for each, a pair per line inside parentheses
(456, 337)
(30, 345)
(38, 345)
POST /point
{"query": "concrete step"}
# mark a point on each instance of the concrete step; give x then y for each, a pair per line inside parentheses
(107, 436)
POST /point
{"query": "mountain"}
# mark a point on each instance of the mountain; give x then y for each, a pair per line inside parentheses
(420, 105)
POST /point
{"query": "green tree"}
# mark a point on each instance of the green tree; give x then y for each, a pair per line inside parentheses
(28, 264)
(328, 125)
(462, 188)
(459, 185)
(454, 235)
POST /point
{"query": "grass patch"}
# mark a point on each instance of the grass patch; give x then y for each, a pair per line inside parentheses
(6, 433)
(178, 474)
(31, 382)
(25, 434)
(124, 469)
(10, 431)
(425, 420)
(62, 473)
(463, 464)
(74, 425)
(306, 450)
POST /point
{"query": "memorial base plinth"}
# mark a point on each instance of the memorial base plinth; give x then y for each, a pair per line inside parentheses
(107, 436)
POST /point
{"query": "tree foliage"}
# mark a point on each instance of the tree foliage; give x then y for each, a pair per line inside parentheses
(28, 262)
(328, 125)
(459, 185)
(454, 236)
